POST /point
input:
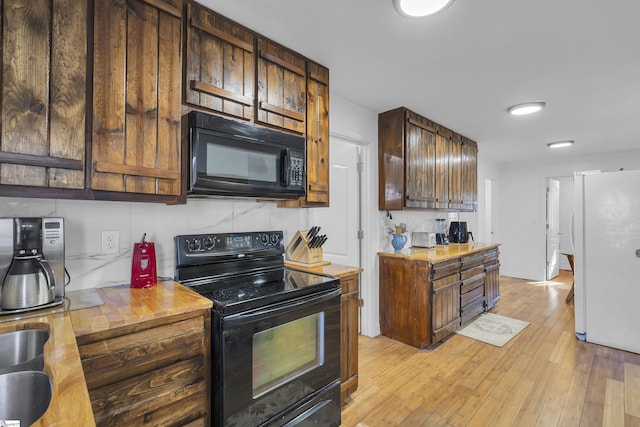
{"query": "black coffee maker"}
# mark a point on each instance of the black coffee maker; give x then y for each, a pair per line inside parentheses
(458, 232)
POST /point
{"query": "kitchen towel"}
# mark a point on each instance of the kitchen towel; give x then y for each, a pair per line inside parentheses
(493, 329)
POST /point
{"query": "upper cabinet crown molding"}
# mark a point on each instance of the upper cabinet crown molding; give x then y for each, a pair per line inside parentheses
(424, 165)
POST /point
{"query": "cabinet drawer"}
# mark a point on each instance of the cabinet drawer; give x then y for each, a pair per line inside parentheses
(470, 296)
(491, 255)
(472, 260)
(445, 268)
(471, 284)
(114, 359)
(141, 394)
(472, 272)
(492, 265)
(349, 284)
(445, 281)
(472, 311)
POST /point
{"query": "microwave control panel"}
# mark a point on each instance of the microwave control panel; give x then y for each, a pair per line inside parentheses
(296, 171)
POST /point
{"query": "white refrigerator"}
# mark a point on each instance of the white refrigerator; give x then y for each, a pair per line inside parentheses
(606, 238)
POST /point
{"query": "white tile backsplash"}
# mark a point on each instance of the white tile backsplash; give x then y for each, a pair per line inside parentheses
(85, 221)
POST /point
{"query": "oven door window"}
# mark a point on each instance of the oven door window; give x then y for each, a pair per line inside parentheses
(287, 351)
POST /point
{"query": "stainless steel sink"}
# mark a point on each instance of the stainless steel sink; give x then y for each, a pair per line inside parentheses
(22, 350)
(25, 396)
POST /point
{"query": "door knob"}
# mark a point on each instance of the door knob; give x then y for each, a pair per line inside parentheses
(638, 253)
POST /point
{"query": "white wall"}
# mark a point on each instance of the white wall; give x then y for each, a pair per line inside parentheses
(521, 205)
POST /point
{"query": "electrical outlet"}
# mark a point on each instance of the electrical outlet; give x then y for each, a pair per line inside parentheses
(110, 242)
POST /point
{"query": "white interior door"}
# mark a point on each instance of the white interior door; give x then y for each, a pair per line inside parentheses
(553, 228)
(612, 259)
(340, 221)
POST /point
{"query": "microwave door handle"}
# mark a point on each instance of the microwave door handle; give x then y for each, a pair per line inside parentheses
(284, 167)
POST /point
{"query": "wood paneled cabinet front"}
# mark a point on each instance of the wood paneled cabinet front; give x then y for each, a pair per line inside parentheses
(151, 373)
(422, 303)
(137, 64)
(281, 86)
(424, 165)
(44, 66)
(349, 331)
(492, 278)
(220, 64)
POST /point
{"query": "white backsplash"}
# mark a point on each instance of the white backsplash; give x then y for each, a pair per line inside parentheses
(86, 220)
(418, 221)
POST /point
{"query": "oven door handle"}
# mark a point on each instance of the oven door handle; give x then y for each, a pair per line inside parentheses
(280, 307)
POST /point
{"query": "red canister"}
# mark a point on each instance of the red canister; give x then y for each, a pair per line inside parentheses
(143, 267)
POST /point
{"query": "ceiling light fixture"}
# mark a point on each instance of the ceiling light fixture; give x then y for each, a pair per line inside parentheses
(420, 8)
(560, 144)
(526, 108)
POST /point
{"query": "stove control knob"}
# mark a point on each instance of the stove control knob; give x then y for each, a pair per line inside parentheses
(194, 244)
(264, 239)
(275, 239)
(208, 242)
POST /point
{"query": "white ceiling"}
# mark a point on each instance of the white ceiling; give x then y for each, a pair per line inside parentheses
(465, 66)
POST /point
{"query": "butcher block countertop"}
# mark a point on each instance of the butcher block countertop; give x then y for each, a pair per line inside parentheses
(330, 270)
(123, 306)
(441, 253)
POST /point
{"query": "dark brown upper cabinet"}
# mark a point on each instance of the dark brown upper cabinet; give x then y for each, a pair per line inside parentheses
(137, 62)
(282, 87)
(44, 68)
(423, 165)
(220, 64)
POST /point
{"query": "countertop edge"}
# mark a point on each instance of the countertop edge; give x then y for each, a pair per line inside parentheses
(440, 253)
(329, 270)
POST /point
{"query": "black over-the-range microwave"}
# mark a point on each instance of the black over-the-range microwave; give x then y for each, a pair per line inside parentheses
(235, 159)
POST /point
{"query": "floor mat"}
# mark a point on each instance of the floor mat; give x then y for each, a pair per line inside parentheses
(493, 329)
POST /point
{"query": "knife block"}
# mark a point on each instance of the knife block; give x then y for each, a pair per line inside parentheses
(298, 251)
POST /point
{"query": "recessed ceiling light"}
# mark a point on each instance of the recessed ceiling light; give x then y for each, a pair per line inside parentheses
(526, 108)
(560, 144)
(419, 8)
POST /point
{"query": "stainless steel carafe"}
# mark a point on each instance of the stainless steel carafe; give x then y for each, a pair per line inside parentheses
(29, 282)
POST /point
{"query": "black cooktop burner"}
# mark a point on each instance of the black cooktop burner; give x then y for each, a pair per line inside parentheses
(232, 298)
(242, 271)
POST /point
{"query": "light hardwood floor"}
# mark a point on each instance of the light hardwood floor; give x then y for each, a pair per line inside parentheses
(542, 377)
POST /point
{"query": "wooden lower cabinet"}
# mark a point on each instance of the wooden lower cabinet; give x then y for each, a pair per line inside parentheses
(422, 303)
(492, 278)
(151, 373)
(349, 334)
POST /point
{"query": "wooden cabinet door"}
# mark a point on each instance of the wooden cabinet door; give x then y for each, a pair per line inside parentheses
(420, 163)
(442, 170)
(349, 335)
(455, 172)
(445, 306)
(281, 87)
(152, 372)
(492, 284)
(220, 65)
(317, 135)
(44, 60)
(137, 89)
(391, 128)
(469, 175)
(405, 304)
